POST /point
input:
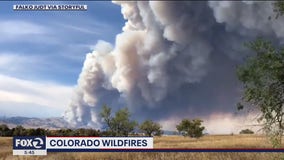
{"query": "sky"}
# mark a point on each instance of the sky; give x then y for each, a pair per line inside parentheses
(165, 61)
(41, 54)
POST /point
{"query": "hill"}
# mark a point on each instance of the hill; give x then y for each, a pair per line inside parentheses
(27, 122)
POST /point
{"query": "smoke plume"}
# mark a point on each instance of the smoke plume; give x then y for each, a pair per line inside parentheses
(172, 59)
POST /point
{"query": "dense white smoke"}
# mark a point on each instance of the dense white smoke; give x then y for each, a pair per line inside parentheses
(248, 17)
(164, 48)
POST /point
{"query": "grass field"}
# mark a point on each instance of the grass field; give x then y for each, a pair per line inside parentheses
(210, 141)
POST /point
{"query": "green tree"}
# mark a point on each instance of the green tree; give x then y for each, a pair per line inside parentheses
(85, 132)
(106, 116)
(4, 130)
(262, 76)
(19, 131)
(120, 124)
(30, 132)
(246, 131)
(40, 132)
(278, 8)
(191, 128)
(151, 128)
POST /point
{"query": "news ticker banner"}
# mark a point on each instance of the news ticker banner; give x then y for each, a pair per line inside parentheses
(34, 145)
(50, 7)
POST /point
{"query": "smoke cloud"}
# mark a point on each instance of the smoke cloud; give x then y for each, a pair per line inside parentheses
(172, 58)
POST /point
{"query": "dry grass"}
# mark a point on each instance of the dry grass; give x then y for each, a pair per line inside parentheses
(5, 147)
(212, 141)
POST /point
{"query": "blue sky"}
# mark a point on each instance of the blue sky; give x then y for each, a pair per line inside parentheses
(42, 53)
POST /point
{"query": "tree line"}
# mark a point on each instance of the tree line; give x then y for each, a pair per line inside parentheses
(118, 124)
(19, 130)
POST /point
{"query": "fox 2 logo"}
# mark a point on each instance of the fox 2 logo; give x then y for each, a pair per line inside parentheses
(29, 142)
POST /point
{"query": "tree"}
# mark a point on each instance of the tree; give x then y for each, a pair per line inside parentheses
(151, 128)
(4, 130)
(106, 115)
(19, 131)
(40, 132)
(191, 128)
(262, 76)
(35, 132)
(30, 132)
(246, 131)
(120, 124)
(278, 8)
